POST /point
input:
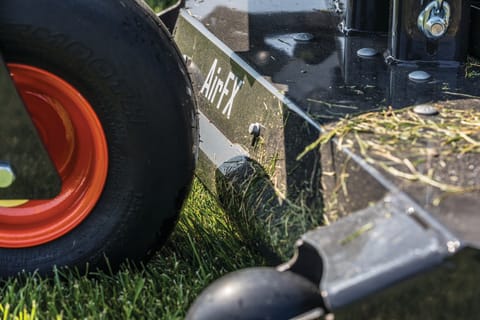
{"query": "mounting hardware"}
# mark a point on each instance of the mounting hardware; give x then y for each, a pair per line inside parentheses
(419, 76)
(433, 21)
(425, 110)
(303, 37)
(254, 129)
(367, 53)
(7, 176)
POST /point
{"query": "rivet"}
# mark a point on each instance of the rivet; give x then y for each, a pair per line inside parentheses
(367, 53)
(303, 37)
(425, 110)
(419, 76)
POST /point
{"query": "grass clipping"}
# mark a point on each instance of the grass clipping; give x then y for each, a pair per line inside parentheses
(413, 147)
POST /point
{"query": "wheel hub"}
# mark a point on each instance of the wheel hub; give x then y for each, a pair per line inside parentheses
(76, 143)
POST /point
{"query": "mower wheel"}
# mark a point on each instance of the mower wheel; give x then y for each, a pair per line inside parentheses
(110, 96)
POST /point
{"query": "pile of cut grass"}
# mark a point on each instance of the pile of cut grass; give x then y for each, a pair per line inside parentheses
(401, 142)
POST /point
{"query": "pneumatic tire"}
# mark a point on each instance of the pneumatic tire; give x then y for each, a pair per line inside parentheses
(103, 80)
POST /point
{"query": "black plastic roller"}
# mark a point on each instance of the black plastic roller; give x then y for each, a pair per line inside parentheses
(258, 293)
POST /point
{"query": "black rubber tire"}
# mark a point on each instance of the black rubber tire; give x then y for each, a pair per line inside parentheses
(120, 58)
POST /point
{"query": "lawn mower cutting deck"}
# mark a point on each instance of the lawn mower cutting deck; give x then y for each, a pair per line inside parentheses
(348, 128)
(392, 90)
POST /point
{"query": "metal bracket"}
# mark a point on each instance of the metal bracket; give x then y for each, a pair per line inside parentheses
(169, 15)
(33, 175)
(370, 250)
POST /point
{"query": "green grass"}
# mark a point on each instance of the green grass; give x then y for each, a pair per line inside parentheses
(399, 142)
(158, 5)
(203, 247)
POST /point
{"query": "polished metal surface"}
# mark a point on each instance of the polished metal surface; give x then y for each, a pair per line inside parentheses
(434, 20)
(323, 81)
(420, 33)
(370, 249)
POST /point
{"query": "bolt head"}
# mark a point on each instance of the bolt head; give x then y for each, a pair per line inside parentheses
(367, 52)
(437, 30)
(303, 37)
(434, 20)
(419, 76)
(7, 176)
(425, 110)
(436, 27)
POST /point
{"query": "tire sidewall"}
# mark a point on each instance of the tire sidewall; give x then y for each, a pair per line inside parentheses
(116, 55)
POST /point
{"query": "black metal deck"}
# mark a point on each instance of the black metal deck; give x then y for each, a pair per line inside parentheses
(286, 66)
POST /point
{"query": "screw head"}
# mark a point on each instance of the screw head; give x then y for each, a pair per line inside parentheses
(434, 20)
(7, 176)
(419, 76)
(425, 110)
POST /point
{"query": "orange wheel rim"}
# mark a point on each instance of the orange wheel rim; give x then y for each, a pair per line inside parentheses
(74, 138)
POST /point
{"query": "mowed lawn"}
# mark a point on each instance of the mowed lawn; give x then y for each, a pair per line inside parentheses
(203, 247)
